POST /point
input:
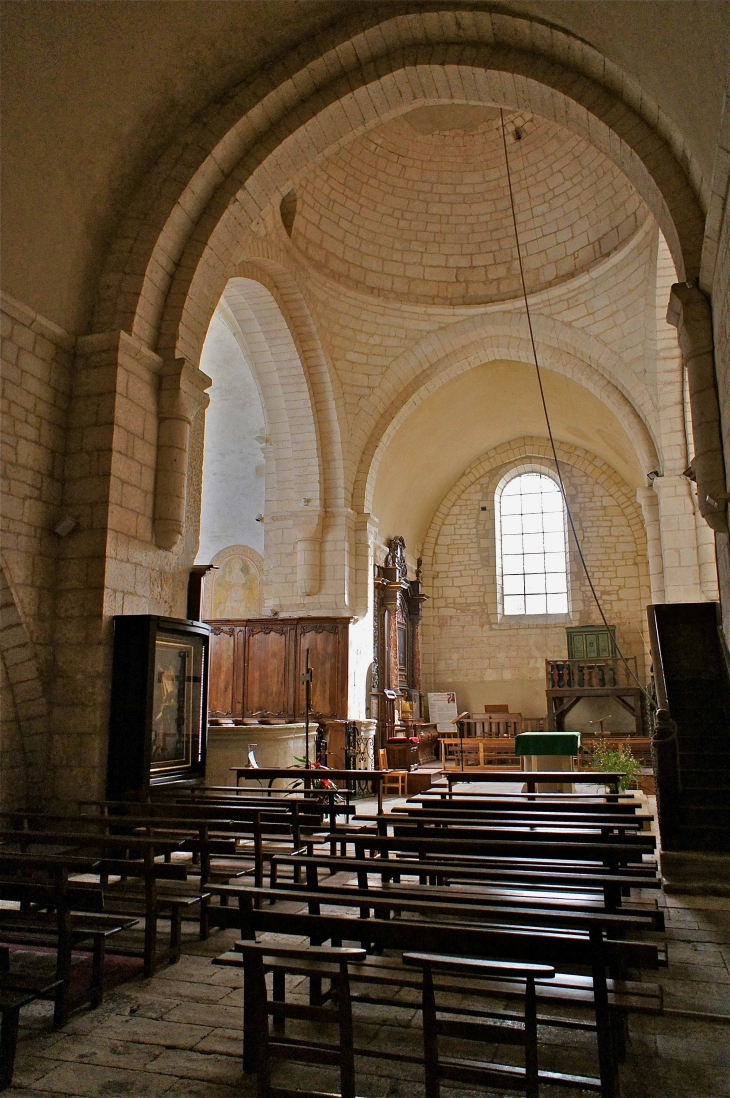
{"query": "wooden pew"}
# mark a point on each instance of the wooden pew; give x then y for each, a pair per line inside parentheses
(519, 887)
(106, 849)
(531, 778)
(49, 916)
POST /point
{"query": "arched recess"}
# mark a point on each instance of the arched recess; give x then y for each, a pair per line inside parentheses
(178, 246)
(445, 355)
(24, 746)
(295, 494)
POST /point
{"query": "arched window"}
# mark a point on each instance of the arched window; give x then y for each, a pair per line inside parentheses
(532, 560)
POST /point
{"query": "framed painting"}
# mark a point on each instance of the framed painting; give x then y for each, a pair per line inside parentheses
(158, 721)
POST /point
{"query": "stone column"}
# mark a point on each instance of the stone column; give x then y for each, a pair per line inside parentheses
(679, 540)
(689, 312)
(182, 395)
(309, 552)
(647, 498)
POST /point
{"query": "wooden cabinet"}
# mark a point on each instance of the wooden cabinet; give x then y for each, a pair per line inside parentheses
(256, 667)
(586, 642)
(157, 723)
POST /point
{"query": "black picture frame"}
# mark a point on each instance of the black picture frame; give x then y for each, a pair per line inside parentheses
(159, 703)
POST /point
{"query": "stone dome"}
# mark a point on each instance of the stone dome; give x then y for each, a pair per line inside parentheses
(418, 209)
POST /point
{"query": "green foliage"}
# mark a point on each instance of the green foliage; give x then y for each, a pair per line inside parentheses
(608, 758)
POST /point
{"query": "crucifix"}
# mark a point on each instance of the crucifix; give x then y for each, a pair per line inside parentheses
(307, 684)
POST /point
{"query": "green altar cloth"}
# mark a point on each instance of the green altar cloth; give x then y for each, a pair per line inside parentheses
(547, 743)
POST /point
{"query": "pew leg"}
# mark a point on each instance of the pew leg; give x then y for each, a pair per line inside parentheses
(204, 922)
(430, 1035)
(347, 1052)
(619, 1034)
(175, 933)
(255, 1024)
(606, 1062)
(532, 1084)
(279, 996)
(97, 970)
(8, 1045)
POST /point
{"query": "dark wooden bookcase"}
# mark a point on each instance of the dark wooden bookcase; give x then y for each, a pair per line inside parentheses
(159, 703)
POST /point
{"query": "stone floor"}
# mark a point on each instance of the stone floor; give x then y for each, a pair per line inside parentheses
(179, 1033)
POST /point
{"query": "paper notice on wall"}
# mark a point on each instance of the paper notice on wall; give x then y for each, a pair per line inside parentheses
(442, 710)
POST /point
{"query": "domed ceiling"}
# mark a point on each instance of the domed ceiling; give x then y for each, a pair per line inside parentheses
(418, 209)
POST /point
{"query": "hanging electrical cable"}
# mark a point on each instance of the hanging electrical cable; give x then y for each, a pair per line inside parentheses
(558, 471)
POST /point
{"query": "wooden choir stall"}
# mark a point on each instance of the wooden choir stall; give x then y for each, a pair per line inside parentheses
(396, 700)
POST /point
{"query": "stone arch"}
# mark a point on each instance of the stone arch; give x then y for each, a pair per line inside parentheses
(444, 355)
(538, 449)
(177, 247)
(25, 714)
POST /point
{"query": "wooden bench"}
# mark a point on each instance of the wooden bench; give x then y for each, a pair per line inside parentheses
(113, 855)
(47, 918)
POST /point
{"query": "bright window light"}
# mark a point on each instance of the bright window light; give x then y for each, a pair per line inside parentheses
(532, 546)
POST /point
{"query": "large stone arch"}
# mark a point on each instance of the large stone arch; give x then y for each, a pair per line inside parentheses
(445, 354)
(177, 247)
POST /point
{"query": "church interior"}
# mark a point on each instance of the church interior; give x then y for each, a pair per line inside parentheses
(365, 482)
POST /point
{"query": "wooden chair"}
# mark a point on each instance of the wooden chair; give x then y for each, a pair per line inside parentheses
(395, 782)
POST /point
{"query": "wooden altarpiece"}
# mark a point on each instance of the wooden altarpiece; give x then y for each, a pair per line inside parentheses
(396, 674)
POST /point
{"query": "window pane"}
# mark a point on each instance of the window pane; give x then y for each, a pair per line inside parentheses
(557, 604)
(535, 585)
(535, 604)
(514, 604)
(511, 524)
(532, 504)
(552, 502)
(513, 585)
(552, 522)
(554, 543)
(534, 562)
(532, 524)
(533, 543)
(513, 565)
(555, 562)
(512, 543)
(556, 583)
(510, 505)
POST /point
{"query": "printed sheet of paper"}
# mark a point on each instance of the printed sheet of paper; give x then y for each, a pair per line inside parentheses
(442, 709)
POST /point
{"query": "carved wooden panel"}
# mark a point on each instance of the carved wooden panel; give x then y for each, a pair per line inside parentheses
(225, 697)
(327, 644)
(256, 667)
(268, 685)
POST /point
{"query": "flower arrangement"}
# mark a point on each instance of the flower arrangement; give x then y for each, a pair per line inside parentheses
(609, 758)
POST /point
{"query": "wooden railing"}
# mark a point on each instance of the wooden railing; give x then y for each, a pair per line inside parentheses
(590, 674)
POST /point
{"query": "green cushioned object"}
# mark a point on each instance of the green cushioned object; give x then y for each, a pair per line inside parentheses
(547, 743)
